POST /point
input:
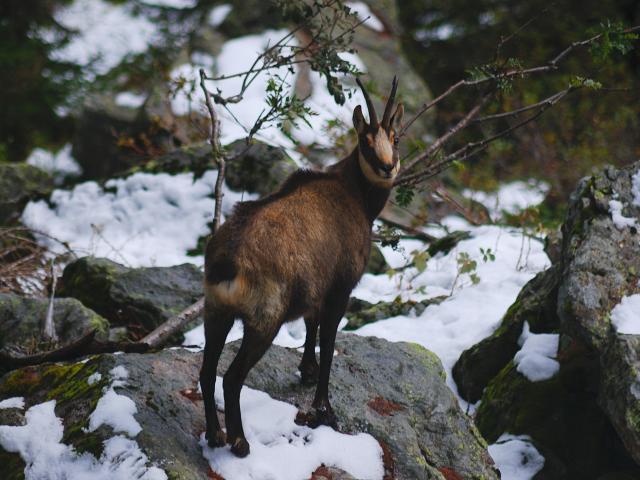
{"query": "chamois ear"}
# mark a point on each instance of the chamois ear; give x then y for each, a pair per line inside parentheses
(359, 122)
(396, 118)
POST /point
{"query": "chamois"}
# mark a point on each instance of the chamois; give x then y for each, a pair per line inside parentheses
(299, 251)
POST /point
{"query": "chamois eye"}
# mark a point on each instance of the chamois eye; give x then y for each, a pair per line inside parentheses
(395, 140)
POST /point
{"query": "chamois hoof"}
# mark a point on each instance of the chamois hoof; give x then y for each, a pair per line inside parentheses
(217, 440)
(240, 447)
(324, 417)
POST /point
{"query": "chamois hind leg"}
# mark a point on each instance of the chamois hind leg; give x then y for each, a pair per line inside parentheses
(332, 312)
(254, 345)
(308, 367)
(217, 324)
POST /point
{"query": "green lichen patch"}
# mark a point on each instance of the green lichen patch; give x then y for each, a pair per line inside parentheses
(75, 398)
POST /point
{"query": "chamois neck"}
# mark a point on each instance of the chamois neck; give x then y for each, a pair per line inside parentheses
(372, 197)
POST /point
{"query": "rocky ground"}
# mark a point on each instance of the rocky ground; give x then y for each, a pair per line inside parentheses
(474, 350)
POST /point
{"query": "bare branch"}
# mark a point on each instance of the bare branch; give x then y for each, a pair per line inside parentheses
(473, 148)
(162, 333)
(552, 64)
(435, 146)
(216, 151)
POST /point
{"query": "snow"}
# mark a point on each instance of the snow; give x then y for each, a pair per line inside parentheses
(94, 378)
(114, 409)
(60, 165)
(536, 357)
(13, 402)
(619, 220)
(282, 450)
(172, 3)
(516, 457)
(218, 14)
(635, 188)
(106, 34)
(236, 56)
(365, 14)
(469, 314)
(142, 220)
(510, 197)
(39, 444)
(130, 99)
(625, 316)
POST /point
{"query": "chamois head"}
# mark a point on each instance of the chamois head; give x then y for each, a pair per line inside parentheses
(378, 142)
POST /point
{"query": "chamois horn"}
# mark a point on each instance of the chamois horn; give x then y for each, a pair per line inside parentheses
(373, 118)
(389, 107)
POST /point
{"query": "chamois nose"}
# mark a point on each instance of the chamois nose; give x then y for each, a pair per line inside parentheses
(386, 168)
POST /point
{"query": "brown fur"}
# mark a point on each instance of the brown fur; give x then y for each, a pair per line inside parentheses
(297, 252)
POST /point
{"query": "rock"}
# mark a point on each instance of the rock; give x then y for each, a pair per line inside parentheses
(19, 183)
(376, 264)
(194, 158)
(138, 298)
(394, 391)
(553, 245)
(535, 304)
(110, 139)
(566, 425)
(619, 392)
(22, 319)
(361, 312)
(257, 167)
(447, 243)
(600, 264)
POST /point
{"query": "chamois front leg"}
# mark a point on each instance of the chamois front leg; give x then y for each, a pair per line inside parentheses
(216, 327)
(332, 314)
(308, 367)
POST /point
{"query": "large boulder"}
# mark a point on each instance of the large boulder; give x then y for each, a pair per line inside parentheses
(564, 422)
(535, 304)
(22, 320)
(257, 167)
(596, 396)
(600, 261)
(394, 391)
(111, 139)
(137, 298)
(600, 264)
(19, 183)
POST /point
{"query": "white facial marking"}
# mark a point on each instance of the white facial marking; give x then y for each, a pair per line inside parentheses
(373, 177)
(383, 148)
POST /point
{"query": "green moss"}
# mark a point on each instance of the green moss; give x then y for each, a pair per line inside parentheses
(12, 465)
(429, 359)
(69, 381)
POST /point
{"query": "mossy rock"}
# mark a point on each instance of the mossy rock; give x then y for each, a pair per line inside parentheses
(193, 158)
(257, 167)
(536, 304)
(137, 298)
(600, 262)
(20, 183)
(565, 424)
(22, 320)
(361, 312)
(619, 392)
(410, 410)
(75, 398)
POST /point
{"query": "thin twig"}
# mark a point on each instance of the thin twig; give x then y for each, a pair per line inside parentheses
(450, 133)
(216, 151)
(552, 64)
